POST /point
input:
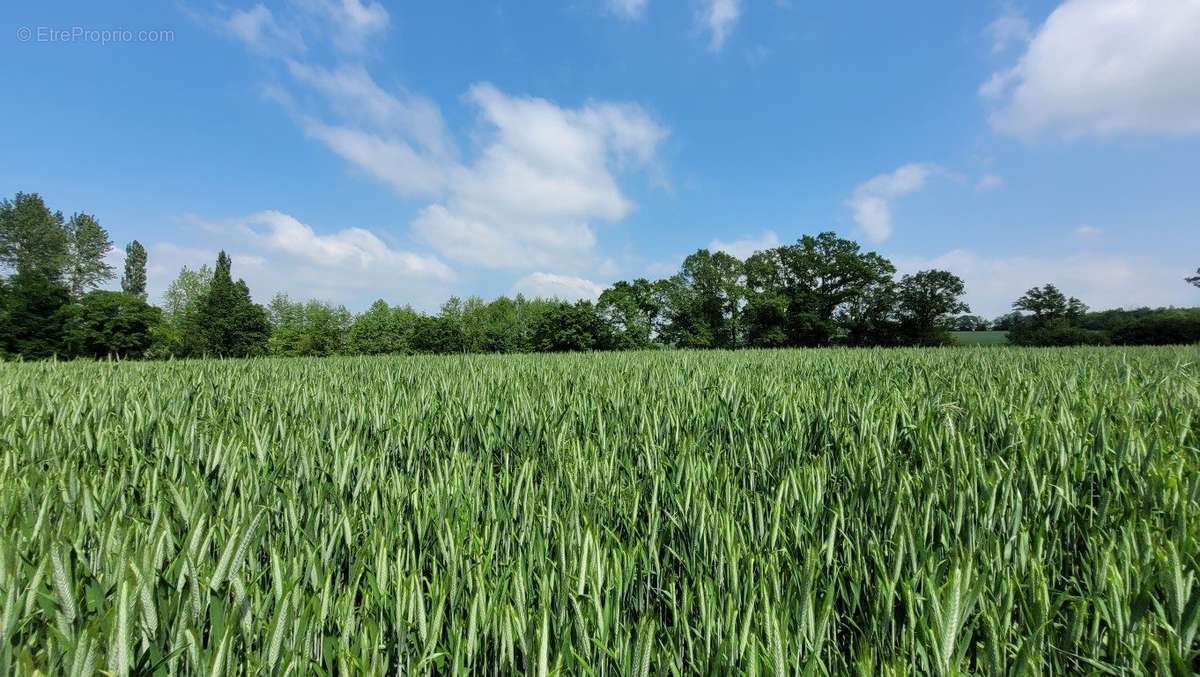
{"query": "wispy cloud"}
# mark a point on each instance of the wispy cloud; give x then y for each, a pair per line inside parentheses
(718, 18)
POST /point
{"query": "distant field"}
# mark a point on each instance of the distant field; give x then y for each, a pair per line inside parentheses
(981, 338)
(910, 511)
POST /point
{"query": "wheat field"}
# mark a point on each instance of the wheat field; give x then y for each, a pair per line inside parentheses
(946, 511)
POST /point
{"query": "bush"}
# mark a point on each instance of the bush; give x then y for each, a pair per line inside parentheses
(109, 323)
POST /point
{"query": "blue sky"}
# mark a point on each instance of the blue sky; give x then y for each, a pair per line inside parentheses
(350, 150)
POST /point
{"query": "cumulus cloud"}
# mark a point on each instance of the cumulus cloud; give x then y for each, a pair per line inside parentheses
(526, 194)
(744, 247)
(1101, 280)
(275, 251)
(718, 18)
(628, 9)
(872, 200)
(551, 285)
(1104, 67)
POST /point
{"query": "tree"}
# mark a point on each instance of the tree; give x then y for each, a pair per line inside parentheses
(109, 323)
(307, 329)
(134, 279)
(924, 303)
(227, 323)
(1046, 303)
(817, 276)
(381, 330)
(87, 246)
(632, 311)
(32, 238)
(969, 323)
(703, 301)
(570, 327)
(1055, 320)
(34, 328)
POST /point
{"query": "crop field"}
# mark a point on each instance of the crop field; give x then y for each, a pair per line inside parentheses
(970, 511)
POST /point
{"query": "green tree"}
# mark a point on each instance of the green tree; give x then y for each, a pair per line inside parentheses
(35, 320)
(570, 327)
(1045, 302)
(381, 330)
(109, 323)
(134, 279)
(818, 276)
(925, 301)
(632, 311)
(227, 322)
(87, 246)
(308, 328)
(32, 238)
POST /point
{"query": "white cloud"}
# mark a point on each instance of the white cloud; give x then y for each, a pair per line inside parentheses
(275, 252)
(551, 285)
(1101, 280)
(1105, 67)
(628, 9)
(528, 192)
(258, 29)
(744, 247)
(352, 250)
(718, 17)
(1009, 29)
(543, 173)
(1088, 232)
(871, 202)
(989, 182)
(348, 25)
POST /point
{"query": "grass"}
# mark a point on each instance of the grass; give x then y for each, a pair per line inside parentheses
(888, 512)
(980, 338)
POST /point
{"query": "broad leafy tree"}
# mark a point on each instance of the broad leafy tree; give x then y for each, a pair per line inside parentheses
(34, 312)
(632, 311)
(570, 327)
(87, 246)
(134, 279)
(32, 238)
(109, 324)
(311, 328)
(925, 302)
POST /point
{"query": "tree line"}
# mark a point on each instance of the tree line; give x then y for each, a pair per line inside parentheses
(822, 290)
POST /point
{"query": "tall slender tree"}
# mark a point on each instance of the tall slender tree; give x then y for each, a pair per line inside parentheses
(134, 280)
(227, 322)
(87, 245)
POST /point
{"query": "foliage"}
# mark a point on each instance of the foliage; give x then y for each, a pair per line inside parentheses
(109, 323)
(134, 279)
(32, 238)
(34, 326)
(925, 302)
(570, 327)
(381, 330)
(87, 245)
(226, 322)
(911, 511)
(312, 328)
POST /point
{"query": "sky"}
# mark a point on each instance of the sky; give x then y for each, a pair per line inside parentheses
(349, 150)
